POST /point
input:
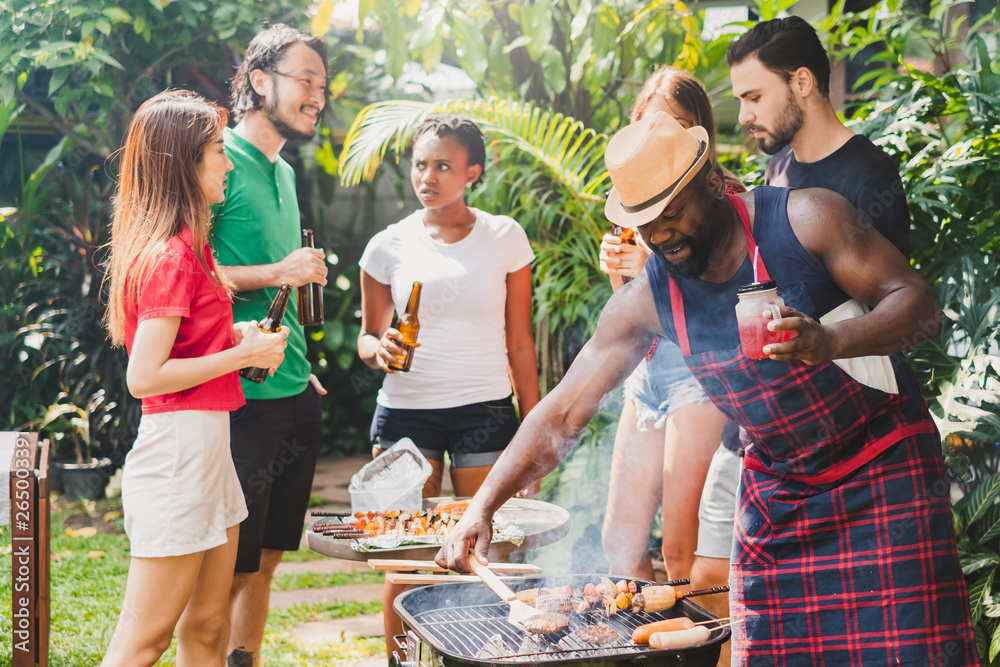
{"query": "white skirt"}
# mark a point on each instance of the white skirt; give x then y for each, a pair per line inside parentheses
(180, 492)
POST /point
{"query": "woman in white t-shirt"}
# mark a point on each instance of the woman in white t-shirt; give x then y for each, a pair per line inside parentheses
(476, 345)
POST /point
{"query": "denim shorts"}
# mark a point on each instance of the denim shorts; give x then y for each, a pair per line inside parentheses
(473, 435)
(662, 384)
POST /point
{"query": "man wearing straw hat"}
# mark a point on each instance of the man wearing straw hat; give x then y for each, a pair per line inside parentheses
(844, 543)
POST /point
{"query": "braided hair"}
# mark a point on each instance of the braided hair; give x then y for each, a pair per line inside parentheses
(464, 131)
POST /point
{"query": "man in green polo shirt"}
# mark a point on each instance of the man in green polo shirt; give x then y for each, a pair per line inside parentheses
(278, 94)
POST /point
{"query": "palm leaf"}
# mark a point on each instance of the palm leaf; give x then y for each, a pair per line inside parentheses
(979, 588)
(376, 129)
(571, 153)
(983, 498)
(995, 644)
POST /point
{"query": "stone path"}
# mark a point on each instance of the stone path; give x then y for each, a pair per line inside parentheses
(332, 479)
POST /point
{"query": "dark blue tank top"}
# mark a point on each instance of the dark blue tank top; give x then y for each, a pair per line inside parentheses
(802, 283)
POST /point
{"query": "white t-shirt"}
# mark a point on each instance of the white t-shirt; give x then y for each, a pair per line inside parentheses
(462, 358)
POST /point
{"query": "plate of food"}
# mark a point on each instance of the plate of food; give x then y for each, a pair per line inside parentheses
(393, 529)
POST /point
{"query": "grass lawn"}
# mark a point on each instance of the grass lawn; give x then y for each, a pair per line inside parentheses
(90, 556)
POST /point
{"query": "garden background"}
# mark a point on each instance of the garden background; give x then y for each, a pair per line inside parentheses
(549, 81)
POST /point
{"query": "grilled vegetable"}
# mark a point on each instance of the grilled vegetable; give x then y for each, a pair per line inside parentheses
(659, 598)
(606, 588)
(655, 598)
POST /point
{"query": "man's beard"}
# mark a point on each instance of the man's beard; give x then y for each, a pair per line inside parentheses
(699, 251)
(692, 267)
(281, 125)
(787, 125)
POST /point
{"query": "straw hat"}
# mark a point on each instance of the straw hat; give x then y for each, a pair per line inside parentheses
(649, 162)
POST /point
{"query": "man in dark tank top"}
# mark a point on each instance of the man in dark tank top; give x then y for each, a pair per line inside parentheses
(781, 75)
(845, 550)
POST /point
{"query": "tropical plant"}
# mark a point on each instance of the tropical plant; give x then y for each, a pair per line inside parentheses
(352, 385)
(93, 61)
(580, 59)
(76, 380)
(961, 367)
(942, 127)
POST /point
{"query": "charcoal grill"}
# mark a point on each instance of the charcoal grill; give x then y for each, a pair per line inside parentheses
(453, 625)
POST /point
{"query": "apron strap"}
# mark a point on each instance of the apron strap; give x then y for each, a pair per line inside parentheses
(759, 270)
(677, 299)
(677, 309)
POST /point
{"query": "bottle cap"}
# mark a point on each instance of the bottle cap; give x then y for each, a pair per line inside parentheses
(757, 287)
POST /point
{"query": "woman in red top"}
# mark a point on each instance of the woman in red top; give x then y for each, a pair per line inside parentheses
(173, 311)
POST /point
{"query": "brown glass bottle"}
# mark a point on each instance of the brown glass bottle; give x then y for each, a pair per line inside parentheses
(269, 325)
(627, 235)
(309, 297)
(409, 326)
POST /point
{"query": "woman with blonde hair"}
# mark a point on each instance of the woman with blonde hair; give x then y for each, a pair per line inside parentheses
(172, 310)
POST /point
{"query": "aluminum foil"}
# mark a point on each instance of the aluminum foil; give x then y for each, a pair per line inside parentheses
(505, 531)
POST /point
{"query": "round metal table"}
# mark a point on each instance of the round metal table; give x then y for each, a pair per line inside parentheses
(542, 523)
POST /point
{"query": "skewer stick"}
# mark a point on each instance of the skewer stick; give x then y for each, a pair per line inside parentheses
(704, 591)
(673, 582)
(722, 627)
(332, 513)
(714, 620)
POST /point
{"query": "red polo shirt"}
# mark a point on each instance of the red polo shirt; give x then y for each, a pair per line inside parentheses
(179, 286)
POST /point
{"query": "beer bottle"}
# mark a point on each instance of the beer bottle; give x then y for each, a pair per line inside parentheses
(408, 325)
(309, 297)
(269, 325)
(627, 235)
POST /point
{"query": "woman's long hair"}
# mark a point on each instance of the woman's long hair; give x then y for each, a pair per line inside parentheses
(158, 190)
(682, 88)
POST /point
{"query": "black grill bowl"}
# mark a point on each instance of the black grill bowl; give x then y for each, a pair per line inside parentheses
(466, 624)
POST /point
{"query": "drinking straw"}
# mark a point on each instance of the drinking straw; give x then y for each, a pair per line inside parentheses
(756, 254)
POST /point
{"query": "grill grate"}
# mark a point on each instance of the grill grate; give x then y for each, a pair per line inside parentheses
(464, 625)
(481, 631)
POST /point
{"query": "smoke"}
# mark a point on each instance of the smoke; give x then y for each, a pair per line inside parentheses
(580, 484)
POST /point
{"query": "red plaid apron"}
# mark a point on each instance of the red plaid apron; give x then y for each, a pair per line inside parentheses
(844, 553)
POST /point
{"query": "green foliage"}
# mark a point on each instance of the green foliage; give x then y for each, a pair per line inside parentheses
(942, 128)
(99, 60)
(582, 58)
(352, 384)
(289, 582)
(70, 381)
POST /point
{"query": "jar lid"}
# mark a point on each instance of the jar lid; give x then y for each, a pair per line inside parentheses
(757, 287)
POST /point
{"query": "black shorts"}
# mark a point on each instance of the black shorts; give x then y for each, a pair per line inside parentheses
(473, 435)
(275, 443)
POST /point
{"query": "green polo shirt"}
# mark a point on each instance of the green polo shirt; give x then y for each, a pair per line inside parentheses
(259, 224)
